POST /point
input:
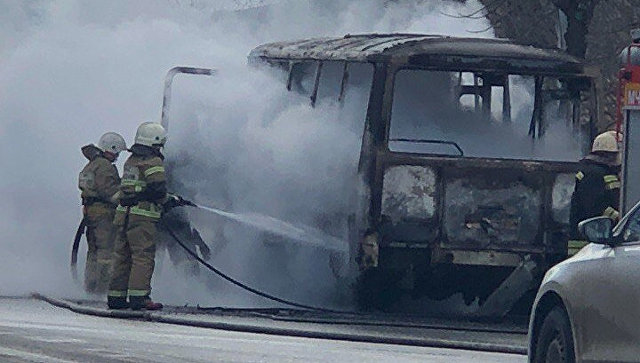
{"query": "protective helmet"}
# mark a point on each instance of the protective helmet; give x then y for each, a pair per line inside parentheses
(606, 141)
(151, 134)
(634, 60)
(112, 142)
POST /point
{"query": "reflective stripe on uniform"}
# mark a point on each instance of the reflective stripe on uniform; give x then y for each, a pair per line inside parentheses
(613, 185)
(138, 292)
(133, 182)
(139, 211)
(611, 213)
(574, 246)
(579, 175)
(153, 170)
(117, 293)
(611, 182)
(146, 213)
(138, 185)
(577, 244)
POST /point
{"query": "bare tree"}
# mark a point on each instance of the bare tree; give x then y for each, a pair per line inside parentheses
(579, 14)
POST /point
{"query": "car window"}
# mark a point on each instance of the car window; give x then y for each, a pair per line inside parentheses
(632, 229)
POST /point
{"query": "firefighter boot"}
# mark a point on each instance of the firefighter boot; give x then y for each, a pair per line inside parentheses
(144, 302)
(117, 302)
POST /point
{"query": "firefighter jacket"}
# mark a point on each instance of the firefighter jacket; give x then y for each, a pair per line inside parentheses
(597, 193)
(98, 180)
(143, 187)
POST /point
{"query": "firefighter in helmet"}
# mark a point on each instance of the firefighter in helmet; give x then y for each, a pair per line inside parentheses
(99, 182)
(142, 201)
(597, 190)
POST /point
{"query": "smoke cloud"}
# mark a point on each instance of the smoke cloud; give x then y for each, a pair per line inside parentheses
(71, 70)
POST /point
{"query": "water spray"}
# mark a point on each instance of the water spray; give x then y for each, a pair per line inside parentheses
(302, 234)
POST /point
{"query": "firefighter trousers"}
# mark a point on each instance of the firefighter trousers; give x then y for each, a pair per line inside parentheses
(100, 240)
(133, 258)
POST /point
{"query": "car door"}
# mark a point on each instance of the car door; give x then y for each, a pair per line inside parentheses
(625, 292)
(606, 295)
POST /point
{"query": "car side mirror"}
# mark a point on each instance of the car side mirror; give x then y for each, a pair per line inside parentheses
(597, 230)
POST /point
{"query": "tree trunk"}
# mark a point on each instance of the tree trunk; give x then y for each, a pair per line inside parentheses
(579, 14)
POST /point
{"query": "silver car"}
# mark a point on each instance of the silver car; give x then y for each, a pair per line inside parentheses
(588, 306)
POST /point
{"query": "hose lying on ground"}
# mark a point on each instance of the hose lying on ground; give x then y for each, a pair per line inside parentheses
(243, 286)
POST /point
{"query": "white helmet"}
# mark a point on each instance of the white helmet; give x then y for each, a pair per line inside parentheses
(112, 142)
(151, 134)
(606, 141)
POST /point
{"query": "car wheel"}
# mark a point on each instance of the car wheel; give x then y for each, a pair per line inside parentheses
(555, 341)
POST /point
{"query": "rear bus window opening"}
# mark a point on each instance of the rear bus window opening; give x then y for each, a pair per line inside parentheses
(485, 115)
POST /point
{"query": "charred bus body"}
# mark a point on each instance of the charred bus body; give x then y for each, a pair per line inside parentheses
(468, 157)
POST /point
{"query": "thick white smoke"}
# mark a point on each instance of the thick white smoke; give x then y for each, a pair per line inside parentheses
(71, 70)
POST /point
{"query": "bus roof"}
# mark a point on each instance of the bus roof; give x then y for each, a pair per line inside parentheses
(428, 51)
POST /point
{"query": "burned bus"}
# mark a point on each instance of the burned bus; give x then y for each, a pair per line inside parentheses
(467, 161)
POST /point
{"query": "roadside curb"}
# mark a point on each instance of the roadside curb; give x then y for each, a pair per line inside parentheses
(353, 337)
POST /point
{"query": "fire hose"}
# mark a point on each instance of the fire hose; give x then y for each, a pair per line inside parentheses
(240, 284)
(75, 247)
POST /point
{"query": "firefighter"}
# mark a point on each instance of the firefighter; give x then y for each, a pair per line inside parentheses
(597, 190)
(142, 201)
(99, 182)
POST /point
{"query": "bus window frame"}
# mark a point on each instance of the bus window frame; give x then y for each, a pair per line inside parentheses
(318, 75)
(394, 69)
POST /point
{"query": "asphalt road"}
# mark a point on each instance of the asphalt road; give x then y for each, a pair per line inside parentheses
(34, 331)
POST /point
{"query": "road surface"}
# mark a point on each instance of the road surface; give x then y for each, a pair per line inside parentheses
(34, 331)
